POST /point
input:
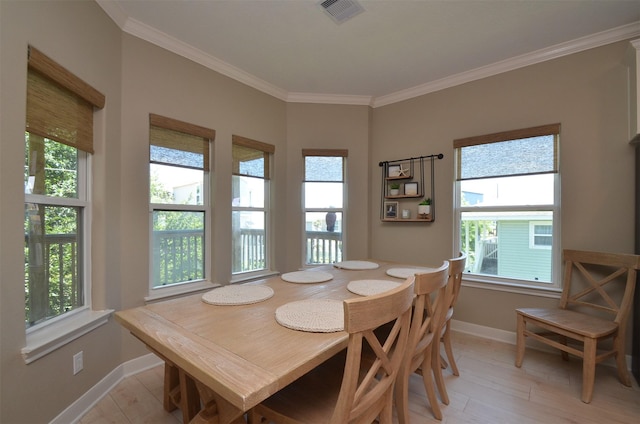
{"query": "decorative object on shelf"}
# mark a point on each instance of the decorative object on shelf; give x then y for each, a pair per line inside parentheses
(410, 173)
(393, 171)
(424, 208)
(404, 172)
(394, 189)
(391, 210)
(410, 189)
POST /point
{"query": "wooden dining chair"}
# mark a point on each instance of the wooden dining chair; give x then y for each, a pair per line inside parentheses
(595, 304)
(346, 388)
(430, 306)
(456, 269)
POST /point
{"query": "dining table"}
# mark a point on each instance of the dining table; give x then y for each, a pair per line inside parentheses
(241, 351)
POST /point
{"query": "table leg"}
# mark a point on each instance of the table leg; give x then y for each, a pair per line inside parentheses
(216, 410)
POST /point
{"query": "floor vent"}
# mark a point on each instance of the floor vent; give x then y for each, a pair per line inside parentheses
(342, 10)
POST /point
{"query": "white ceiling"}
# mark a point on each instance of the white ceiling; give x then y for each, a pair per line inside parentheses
(395, 49)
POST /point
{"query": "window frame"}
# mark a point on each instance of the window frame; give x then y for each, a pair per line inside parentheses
(342, 153)
(49, 335)
(492, 282)
(268, 150)
(184, 287)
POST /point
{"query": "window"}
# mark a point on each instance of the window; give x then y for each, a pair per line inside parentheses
(250, 205)
(58, 148)
(507, 206)
(323, 192)
(179, 201)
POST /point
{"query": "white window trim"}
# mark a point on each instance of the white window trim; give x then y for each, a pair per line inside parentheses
(266, 209)
(510, 285)
(532, 235)
(61, 330)
(185, 287)
(342, 210)
(46, 337)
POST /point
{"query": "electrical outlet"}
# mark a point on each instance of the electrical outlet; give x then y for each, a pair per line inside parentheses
(77, 363)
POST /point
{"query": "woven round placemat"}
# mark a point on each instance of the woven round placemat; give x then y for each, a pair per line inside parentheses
(312, 315)
(237, 295)
(371, 287)
(407, 272)
(356, 265)
(305, 277)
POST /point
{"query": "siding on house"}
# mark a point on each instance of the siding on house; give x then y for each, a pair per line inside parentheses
(516, 259)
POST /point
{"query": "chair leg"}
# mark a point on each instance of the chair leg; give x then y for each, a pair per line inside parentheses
(436, 368)
(565, 355)
(386, 414)
(428, 374)
(621, 363)
(401, 395)
(588, 369)
(520, 339)
(446, 340)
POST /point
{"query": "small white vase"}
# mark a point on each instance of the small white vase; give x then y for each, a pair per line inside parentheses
(424, 209)
(394, 191)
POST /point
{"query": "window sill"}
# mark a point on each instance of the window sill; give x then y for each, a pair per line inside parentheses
(177, 290)
(48, 338)
(251, 276)
(519, 288)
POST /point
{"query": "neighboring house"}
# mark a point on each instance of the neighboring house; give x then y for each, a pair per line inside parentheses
(515, 238)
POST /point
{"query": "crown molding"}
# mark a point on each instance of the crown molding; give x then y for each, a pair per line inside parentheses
(161, 39)
(580, 44)
(341, 99)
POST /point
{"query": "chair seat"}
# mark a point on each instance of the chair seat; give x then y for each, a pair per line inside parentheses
(582, 324)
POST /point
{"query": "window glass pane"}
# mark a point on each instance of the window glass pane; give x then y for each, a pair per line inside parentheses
(176, 185)
(323, 237)
(53, 281)
(514, 157)
(51, 168)
(323, 168)
(497, 244)
(176, 157)
(504, 191)
(248, 191)
(178, 247)
(323, 195)
(249, 241)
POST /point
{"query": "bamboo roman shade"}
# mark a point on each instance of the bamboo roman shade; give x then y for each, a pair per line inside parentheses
(511, 153)
(251, 157)
(178, 143)
(324, 165)
(59, 104)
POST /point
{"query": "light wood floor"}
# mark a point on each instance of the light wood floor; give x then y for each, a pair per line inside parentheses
(490, 389)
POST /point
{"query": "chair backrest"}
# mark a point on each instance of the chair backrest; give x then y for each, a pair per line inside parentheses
(456, 269)
(367, 388)
(433, 296)
(603, 281)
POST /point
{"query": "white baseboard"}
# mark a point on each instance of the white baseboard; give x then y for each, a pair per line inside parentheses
(80, 407)
(76, 410)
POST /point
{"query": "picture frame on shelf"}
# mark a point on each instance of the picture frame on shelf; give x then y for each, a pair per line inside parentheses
(394, 170)
(411, 189)
(391, 210)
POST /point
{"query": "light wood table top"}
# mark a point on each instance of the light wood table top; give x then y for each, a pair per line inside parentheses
(241, 352)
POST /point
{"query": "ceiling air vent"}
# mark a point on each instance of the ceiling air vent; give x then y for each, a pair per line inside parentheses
(341, 10)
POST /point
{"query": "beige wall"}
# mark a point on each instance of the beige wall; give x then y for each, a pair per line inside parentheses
(81, 37)
(312, 126)
(585, 92)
